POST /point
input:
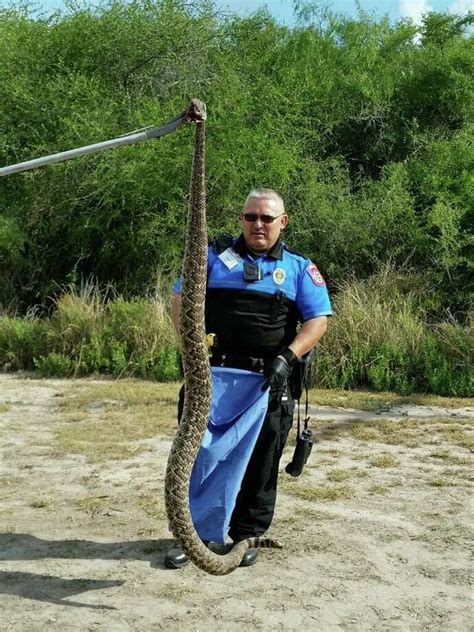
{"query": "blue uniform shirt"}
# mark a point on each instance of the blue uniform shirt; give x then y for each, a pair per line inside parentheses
(260, 317)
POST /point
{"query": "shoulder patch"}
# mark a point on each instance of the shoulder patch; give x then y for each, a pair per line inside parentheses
(315, 274)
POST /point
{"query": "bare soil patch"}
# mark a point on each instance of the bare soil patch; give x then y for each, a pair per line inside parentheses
(377, 530)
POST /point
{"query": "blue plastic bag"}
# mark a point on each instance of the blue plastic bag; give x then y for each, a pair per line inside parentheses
(238, 409)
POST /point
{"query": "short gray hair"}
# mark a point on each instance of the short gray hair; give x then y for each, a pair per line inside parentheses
(266, 194)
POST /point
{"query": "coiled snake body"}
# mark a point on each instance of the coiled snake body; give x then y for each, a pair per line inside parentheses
(197, 378)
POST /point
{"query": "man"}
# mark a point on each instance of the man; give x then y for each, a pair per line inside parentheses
(258, 291)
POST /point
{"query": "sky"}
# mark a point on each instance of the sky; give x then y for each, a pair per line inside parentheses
(395, 9)
(283, 9)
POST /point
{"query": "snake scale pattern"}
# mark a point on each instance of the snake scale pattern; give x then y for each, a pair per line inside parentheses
(197, 378)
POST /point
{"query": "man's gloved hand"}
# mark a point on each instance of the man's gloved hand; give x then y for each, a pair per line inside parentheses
(280, 369)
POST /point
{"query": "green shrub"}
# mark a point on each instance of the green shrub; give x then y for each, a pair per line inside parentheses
(117, 362)
(54, 365)
(381, 338)
(166, 368)
(20, 341)
(448, 360)
(140, 339)
(76, 319)
(375, 163)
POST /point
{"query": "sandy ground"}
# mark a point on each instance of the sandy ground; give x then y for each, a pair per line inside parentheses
(377, 531)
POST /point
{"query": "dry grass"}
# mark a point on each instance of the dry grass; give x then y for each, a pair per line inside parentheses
(459, 437)
(128, 393)
(310, 492)
(110, 420)
(8, 484)
(5, 407)
(412, 448)
(177, 592)
(91, 504)
(7, 480)
(153, 505)
(364, 434)
(440, 481)
(383, 460)
(367, 400)
(42, 503)
(378, 489)
(447, 457)
(457, 473)
(91, 441)
(409, 432)
(442, 453)
(337, 476)
(310, 512)
(106, 420)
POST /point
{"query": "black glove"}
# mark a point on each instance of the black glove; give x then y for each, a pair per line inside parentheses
(280, 369)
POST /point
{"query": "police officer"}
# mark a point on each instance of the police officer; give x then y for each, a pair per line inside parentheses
(258, 291)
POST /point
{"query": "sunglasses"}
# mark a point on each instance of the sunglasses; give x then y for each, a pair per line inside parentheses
(266, 219)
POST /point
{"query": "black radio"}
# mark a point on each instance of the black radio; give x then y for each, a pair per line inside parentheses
(304, 445)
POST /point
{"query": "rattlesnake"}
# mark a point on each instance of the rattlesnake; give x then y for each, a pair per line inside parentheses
(197, 378)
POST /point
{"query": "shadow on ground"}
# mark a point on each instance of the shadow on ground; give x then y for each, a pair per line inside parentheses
(52, 589)
(47, 588)
(23, 546)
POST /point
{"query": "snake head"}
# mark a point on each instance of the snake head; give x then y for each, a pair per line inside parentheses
(196, 112)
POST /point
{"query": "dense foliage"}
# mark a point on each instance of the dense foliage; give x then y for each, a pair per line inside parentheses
(379, 339)
(93, 331)
(365, 127)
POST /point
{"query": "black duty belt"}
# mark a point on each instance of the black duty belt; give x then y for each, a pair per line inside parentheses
(246, 363)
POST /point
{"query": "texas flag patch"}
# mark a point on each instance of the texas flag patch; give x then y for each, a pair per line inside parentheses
(315, 275)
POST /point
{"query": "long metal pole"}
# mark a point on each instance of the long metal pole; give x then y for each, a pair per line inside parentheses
(156, 132)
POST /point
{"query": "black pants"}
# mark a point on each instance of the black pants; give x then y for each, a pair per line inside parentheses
(255, 504)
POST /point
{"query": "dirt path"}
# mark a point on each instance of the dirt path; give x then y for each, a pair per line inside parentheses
(377, 531)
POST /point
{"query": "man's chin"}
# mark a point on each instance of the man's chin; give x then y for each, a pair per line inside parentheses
(258, 248)
(258, 245)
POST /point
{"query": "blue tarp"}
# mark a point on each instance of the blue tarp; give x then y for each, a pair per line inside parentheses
(237, 412)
